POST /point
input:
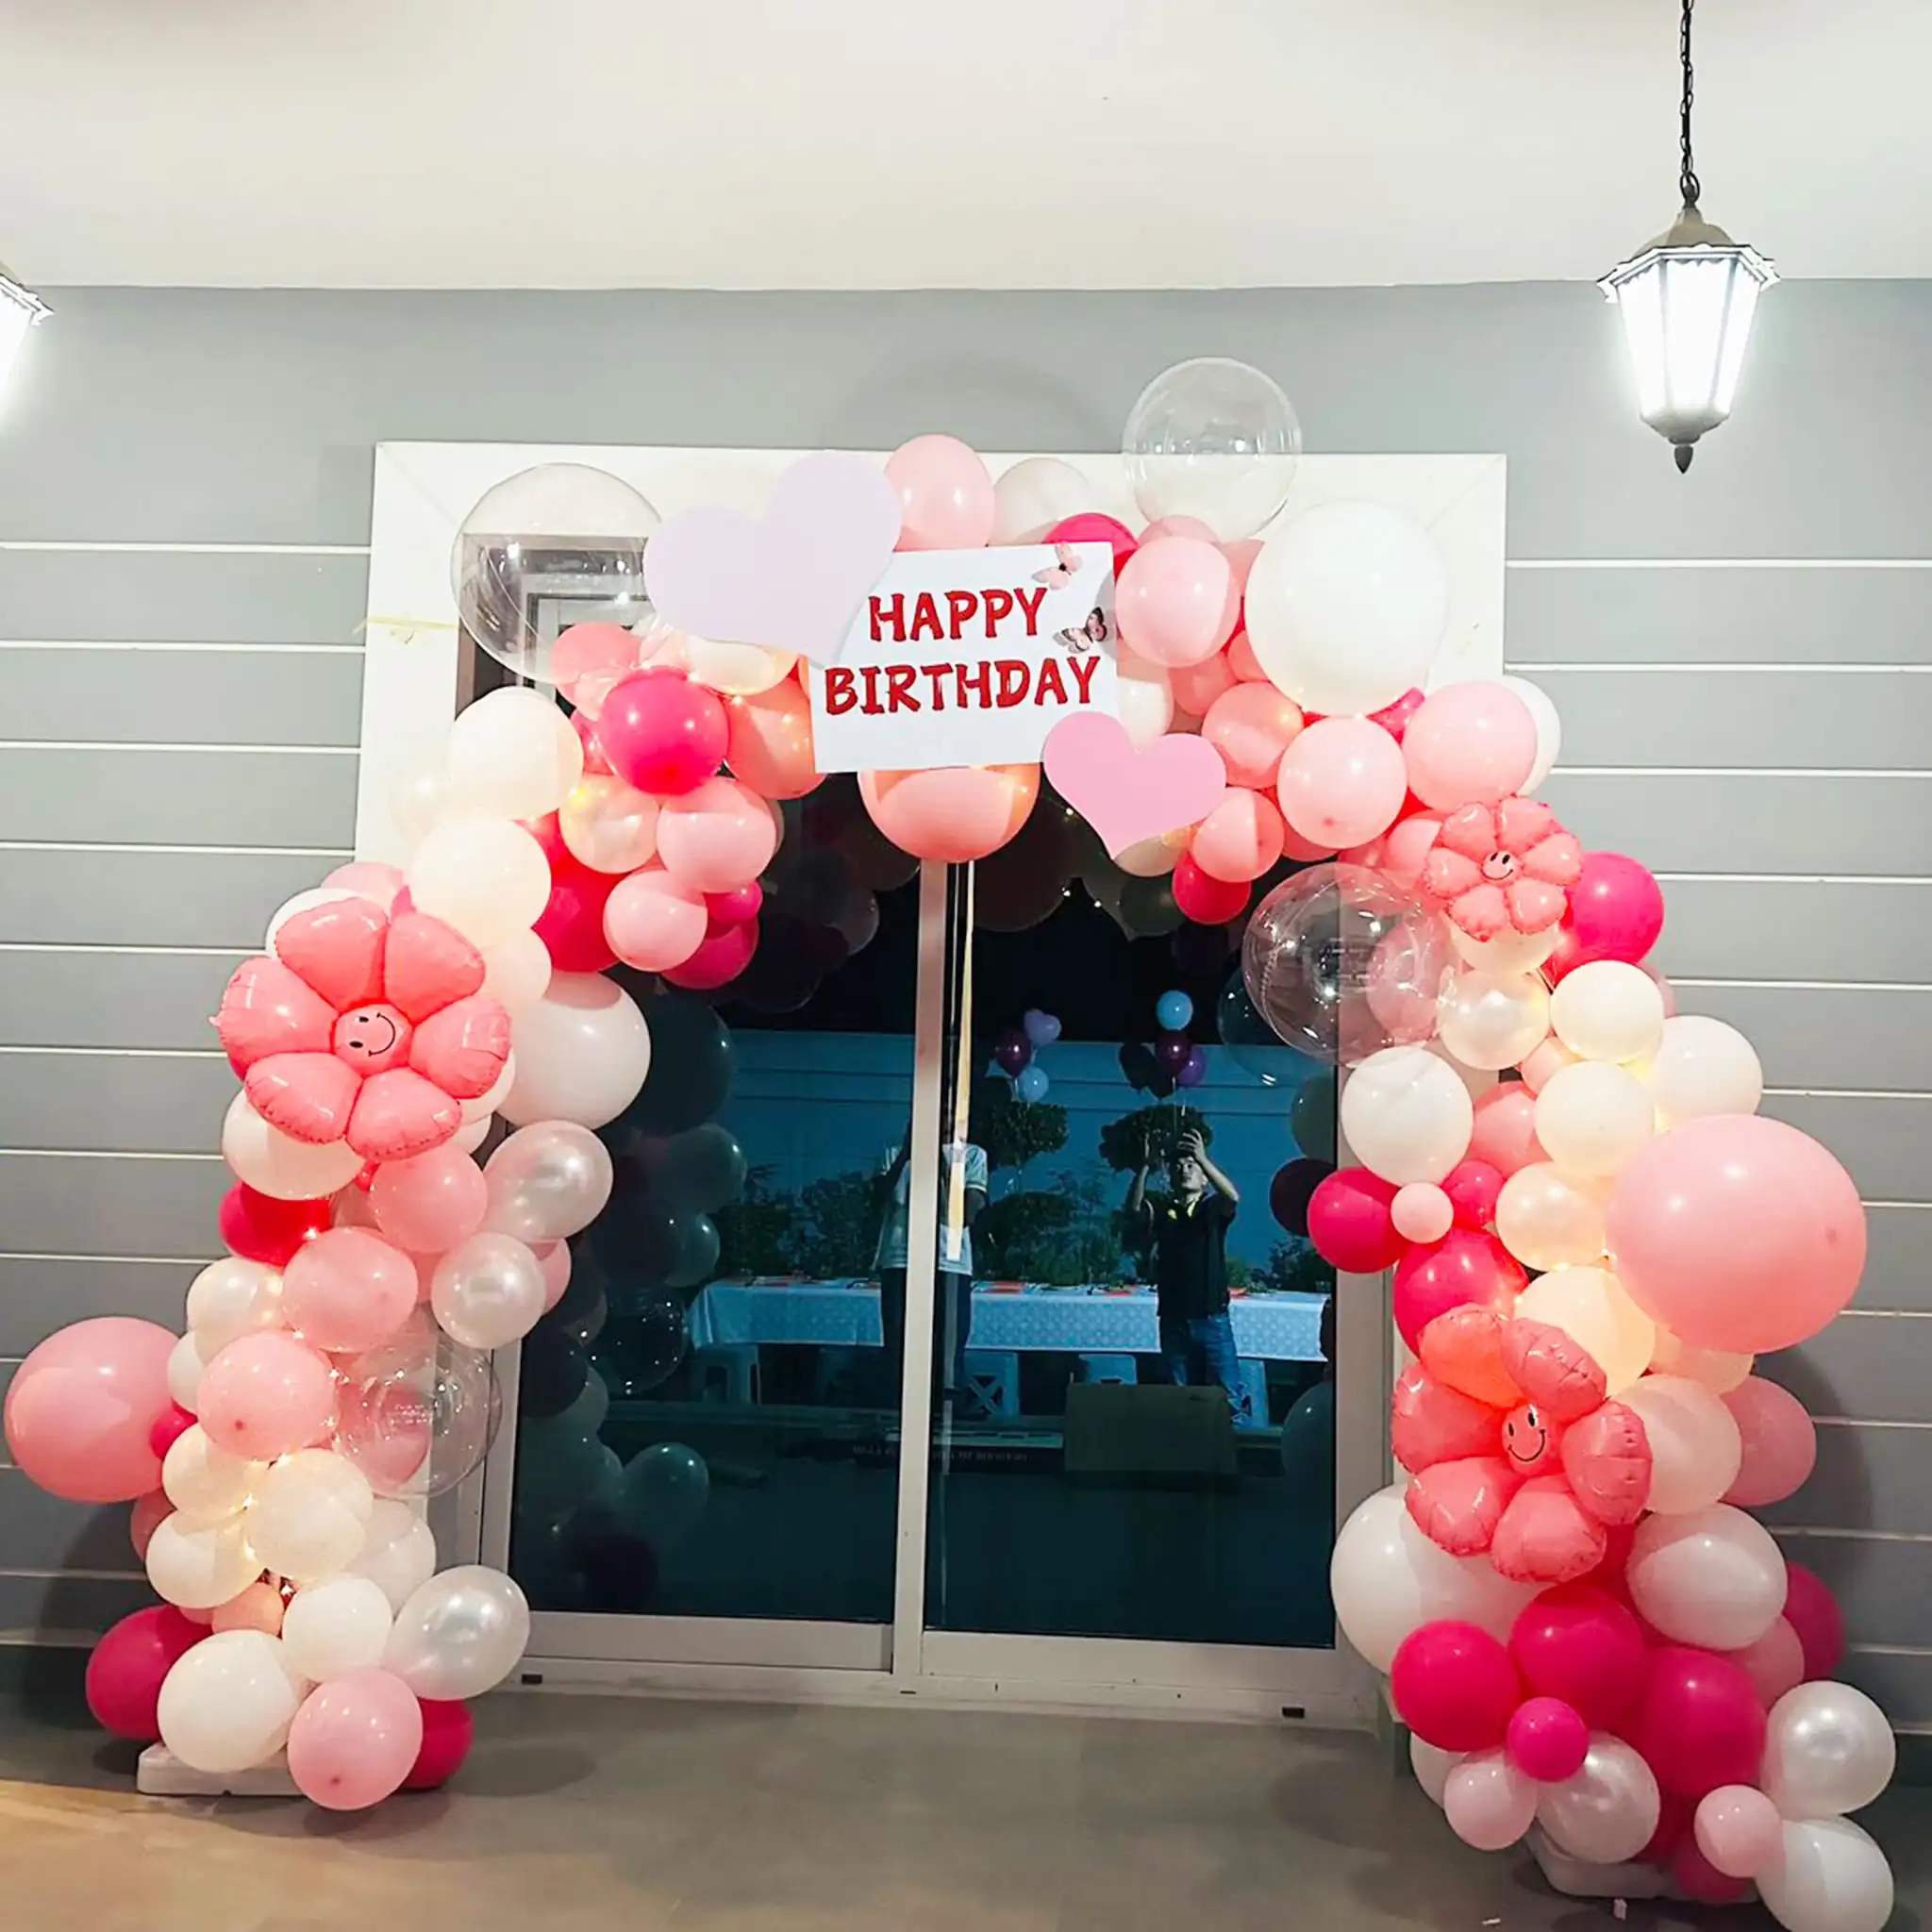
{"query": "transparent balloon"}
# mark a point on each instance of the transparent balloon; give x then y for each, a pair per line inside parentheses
(1342, 963)
(1216, 439)
(641, 1345)
(1251, 1042)
(419, 1414)
(561, 533)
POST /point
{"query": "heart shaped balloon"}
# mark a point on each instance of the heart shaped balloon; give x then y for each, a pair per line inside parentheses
(1127, 794)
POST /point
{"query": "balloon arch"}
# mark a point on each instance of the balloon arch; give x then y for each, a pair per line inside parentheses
(1592, 1230)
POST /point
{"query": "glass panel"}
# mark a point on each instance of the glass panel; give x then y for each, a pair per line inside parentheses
(1137, 1432)
(708, 1421)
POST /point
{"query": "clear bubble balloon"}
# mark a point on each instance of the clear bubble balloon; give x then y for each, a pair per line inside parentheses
(1215, 440)
(1251, 1042)
(641, 1345)
(557, 533)
(418, 1415)
(1342, 963)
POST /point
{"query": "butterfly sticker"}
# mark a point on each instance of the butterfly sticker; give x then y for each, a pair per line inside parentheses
(1062, 570)
(1079, 640)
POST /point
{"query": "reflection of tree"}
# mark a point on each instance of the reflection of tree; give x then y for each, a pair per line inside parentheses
(1012, 1130)
(1063, 1236)
(826, 1232)
(1295, 1265)
(1156, 1129)
(756, 1232)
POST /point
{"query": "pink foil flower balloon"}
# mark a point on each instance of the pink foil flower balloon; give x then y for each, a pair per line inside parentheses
(1502, 868)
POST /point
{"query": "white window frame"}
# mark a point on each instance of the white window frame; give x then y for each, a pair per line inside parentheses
(413, 672)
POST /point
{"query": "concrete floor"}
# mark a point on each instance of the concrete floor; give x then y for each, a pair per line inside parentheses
(626, 1816)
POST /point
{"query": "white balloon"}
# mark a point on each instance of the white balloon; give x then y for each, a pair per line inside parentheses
(229, 1298)
(273, 1162)
(1714, 1577)
(1605, 1812)
(460, 1635)
(227, 1703)
(487, 1103)
(516, 970)
(418, 800)
(512, 755)
(1548, 1219)
(308, 1515)
(1431, 1766)
(1407, 1115)
(1154, 858)
(1607, 1010)
(1549, 731)
(303, 902)
(1696, 1449)
(1346, 606)
(1387, 1580)
(583, 1050)
(1590, 1305)
(1033, 497)
(548, 1182)
(398, 1551)
(736, 670)
(1717, 1368)
(1145, 697)
(1828, 1750)
(1508, 952)
(1488, 1801)
(335, 1626)
(1592, 1118)
(1703, 1067)
(1490, 1021)
(207, 1485)
(194, 1568)
(187, 1363)
(486, 876)
(469, 1137)
(1833, 1878)
(608, 825)
(488, 1292)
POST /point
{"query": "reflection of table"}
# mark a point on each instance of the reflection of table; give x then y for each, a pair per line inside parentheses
(1072, 1320)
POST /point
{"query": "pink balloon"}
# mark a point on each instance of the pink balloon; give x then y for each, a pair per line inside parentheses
(662, 733)
(1251, 726)
(1177, 527)
(1549, 1057)
(1239, 838)
(1579, 1644)
(716, 836)
(1737, 1232)
(953, 814)
(946, 494)
(1304, 851)
(431, 1203)
(266, 1395)
(368, 879)
(148, 1515)
(554, 1258)
(1472, 743)
(1505, 1131)
(1422, 1212)
(1464, 1268)
(1547, 1739)
(1402, 850)
(82, 1408)
(571, 922)
(354, 1740)
(1093, 526)
(1738, 1831)
(1616, 912)
(1781, 1443)
(1430, 1422)
(1351, 1222)
(128, 1666)
(1775, 1664)
(1453, 1686)
(1204, 899)
(1177, 601)
(1242, 661)
(1341, 781)
(595, 763)
(1699, 1724)
(735, 907)
(588, 661)
(769, 745)
(349, 1290)
(724, 952)
(1473, 1188)
(1394, 719)
(1812, 1611)
(1197, 686)
(654, 922)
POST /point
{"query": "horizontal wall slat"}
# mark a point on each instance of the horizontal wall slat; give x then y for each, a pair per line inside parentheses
(1717, 928)
(1864, 720)
(1764, 616)
(1884, 1141)
(181, 597)
(1882, 1584)
(181, 696)
(1896, 1275)
(106, 1103)
(1829, 1036)
(120, 795)
(1857, 827)
(76, 1205)
(40, 1532)
(1866, 1478)
(1900, 1683)
(52, 1610)
(1871, 1367)
(75, 998)
(150, 898)
(40, 1293)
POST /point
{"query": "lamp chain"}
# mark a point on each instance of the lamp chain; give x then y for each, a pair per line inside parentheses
(1687, 179)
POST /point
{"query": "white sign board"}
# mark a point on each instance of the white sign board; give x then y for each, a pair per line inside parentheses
(968, 658)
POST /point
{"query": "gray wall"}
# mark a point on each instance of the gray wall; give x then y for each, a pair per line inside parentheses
(1742, 657)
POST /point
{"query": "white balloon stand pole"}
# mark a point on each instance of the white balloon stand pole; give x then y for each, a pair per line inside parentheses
(162, 1774)
(1576, 1878)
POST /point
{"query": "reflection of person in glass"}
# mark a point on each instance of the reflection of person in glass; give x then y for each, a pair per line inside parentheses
(961, 1195)
(1186, 1240)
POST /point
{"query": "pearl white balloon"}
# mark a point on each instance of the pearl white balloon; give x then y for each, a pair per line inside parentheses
(335, 1626)
(206, 1484)
(1432, 1766)
(1703, 1067)
(227, 1703)
(512, 755)
(1696, 1449)
(229, 1298)
(1828, 1750)
(460, 1635)
(583, 1050)
(1490, 1804)
(1034, 495)
(1590, 1307)
(1592, 1118)
(1145, 697)
(734, 670)
(488, 1292)
(1346, 606)
(1832, 1878)
(1508, 952)
(197, 1567)
(1549, 731)
(1605, 1812)
(1713, 1579)
(1607, 1010)
(516, 970)
(308, 1515)
(418, 800)
(275, 1163)
(187, 1363)
(398, 1551)
(1549, 1219)
(547, 1182)
(1718, 1369)
(1407, 1115)
(1491, 1021)
(484, 875)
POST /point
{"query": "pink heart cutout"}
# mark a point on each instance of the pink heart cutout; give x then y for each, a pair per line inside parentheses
(1125, 793)
(792, 579)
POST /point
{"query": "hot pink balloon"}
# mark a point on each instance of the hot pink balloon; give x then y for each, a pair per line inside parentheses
(1547, 1739)
(724, 952)
(1472, 743)
(1781, 1443)
(571, 922)
(735, 907)
(655, 922)
(1204, 899)
(354, 1740)
(1455, 1686)
(1093, 526)
(1239, 838)
(1473, 1188)
(1352, 1224)
(1251, 726)
(1812, 1611)
(1737, 1232)
(1465, 1267)
(128, 1666)
(1699, 1724)
(662, 733)
(946, 494)
(1197, 686)
(953, 814)
(1580, 1644)
(1505, 1131)
(1616, 912)
(1342, 782)
(266, 1394)
(431, 1203)
(716, 836)
(82, 1408)
(1177, 601)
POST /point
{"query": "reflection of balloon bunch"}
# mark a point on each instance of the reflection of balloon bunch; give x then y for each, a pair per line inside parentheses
(1014, 1053)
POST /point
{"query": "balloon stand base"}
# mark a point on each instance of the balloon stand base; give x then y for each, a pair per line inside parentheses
(1576, 1878)
(162, 1774)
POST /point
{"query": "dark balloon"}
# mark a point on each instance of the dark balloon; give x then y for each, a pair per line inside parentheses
(620, 1571)
(1194, 1070)
(1172, 1050)
(552, 1372)
(1291, 1190)
(1139, 1065)
(1013, 1050)
(691, 1064)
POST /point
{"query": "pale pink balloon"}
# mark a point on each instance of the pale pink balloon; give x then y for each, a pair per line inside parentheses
(554, 1258)
(1175, 601)
(1305, 849)
(1781, 1443)
(1197, 686)
(1239, 838)
(946, 494)
(956, 813)
(1399, 853)
(1552, 1057)
(368, 879)
(267, 1395)
(1775, 1664)
(1421, 1211)
(1242, 661)
(348, 1290)
(1738, 1831)
(354, 1740)
(588, 660)
(1251, 726)
(654, 922)
(81, 1409)
(431, 1202)
(1468, 744)
(1505, 1131)
(149, 1511)
(716, 836)
(258, 1607)
(1342, 782)
(1177, 527)
(769, 746)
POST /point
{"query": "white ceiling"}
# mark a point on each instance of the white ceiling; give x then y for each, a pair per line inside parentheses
(907, 144)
